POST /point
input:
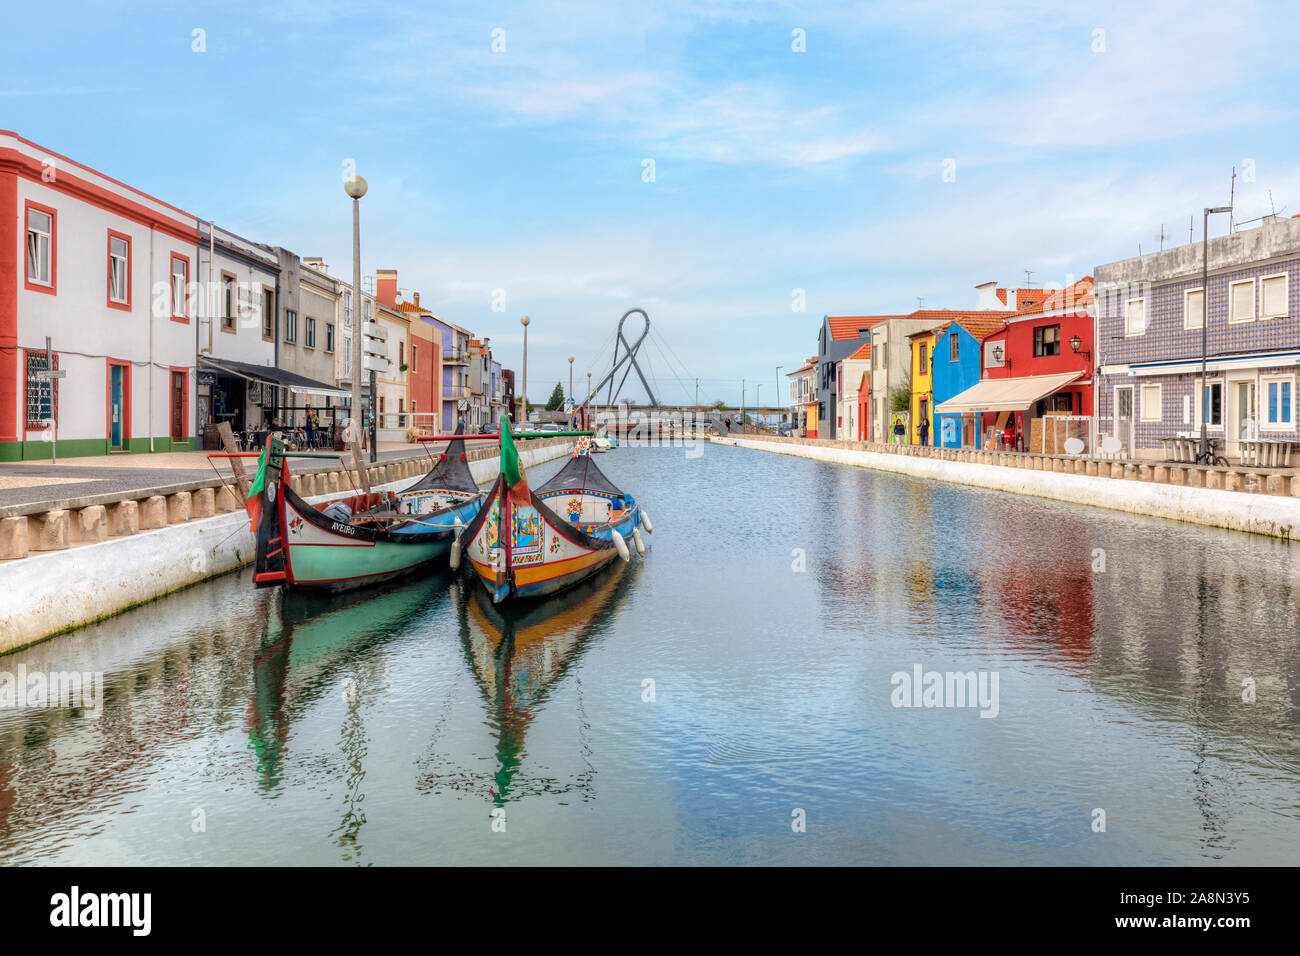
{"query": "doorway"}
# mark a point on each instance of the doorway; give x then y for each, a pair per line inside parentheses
(119, 390)
(1124, 417)
(179, 403)
(1241, 415)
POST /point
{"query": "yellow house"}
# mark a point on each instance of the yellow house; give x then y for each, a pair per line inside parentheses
(922, 385)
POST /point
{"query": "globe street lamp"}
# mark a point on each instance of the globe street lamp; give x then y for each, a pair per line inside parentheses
(355, 186)
(524, 321)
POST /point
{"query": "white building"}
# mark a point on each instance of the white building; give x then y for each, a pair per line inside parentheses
(106, 272)
(237, 331)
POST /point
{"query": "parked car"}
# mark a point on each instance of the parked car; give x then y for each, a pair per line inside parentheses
(550, 427)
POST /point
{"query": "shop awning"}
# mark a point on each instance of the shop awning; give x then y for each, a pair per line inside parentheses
(1006, 394)
(269, 375)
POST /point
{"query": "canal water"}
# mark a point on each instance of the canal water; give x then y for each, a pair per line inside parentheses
(729, 699)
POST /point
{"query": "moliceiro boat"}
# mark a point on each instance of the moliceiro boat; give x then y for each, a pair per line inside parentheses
(357, 539)
(525, 544)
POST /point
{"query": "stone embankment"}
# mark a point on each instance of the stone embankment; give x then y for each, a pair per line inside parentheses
(1258, 500)
(86, 559)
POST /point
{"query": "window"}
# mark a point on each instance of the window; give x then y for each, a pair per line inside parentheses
(366, 311)
(415, 357)
(401, 353)
(1194, 308)
(180, 287)
(954, 347)
(1279, 403)
(1135, 316)
(1047, 340)
(268, 313)
(290, 325)
(227, 302)
(347, 354)
(1151, 406)
(921, 357)
(329, 336)
(347, 310)
(119, 269)
(309, 332)
(41, 250)
(1214, 399)
(1273, 297)
(1241, 301)
(42, 398)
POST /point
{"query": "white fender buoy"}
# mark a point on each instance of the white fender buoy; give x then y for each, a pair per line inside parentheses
(455, 546)
(621, 546)
(645, 520)
(636, 539)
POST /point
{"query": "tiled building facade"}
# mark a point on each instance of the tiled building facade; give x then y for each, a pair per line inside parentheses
(1150, 338)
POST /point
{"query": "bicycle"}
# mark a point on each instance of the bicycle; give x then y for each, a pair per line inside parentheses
(1211, 459)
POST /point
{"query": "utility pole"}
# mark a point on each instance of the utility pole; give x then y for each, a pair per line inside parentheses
(697, 393)
(778, 383)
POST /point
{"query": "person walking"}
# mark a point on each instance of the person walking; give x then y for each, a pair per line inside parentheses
(899, 431)
(924, 430)
(311, 429)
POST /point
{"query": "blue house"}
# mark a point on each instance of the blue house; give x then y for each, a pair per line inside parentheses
(955, 366)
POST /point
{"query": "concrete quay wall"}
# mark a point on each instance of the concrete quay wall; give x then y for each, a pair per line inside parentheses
(144, 549)
(1239, 499)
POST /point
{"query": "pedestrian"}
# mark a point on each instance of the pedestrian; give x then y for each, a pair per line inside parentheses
(311, 429)
(924, 430)
(899, 430)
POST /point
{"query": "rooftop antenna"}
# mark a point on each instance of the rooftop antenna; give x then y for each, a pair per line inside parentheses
(1029, 279)
(920, 302)
(1272, 205)
(1161, 237)
(1232, 200)
(1190, 237)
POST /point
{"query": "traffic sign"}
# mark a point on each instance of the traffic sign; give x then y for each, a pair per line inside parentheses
(52, 373)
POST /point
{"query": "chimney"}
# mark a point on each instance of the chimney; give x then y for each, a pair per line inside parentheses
(417, 298)
(386, 287)
(988, 296)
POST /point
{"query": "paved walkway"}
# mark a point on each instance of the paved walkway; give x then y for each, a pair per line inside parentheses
(40, 485)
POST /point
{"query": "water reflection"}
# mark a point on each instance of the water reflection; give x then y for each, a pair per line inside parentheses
(518, 654)
(381, 726)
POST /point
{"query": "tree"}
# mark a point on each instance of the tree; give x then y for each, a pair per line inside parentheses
(900, 398)
(556, 401)
(719, 406)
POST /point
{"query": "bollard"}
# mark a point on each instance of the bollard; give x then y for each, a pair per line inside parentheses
(153, 513)
(203, 503)
(225, 501)
(13, 538)
(92, 524)
(123, 519)
(48, 531)
(178, 507)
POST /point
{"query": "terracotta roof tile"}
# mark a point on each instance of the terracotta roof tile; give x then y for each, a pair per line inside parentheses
(1077, 296)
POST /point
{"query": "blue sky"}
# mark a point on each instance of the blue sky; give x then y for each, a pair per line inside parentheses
(775, 170)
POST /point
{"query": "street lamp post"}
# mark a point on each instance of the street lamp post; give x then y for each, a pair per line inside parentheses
(1205, 325)
(355, 186)
(572, 404)
(524, 321)
(778, 384)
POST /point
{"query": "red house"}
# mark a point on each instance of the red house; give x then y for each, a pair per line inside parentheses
(1043, 363)
(1036, 375)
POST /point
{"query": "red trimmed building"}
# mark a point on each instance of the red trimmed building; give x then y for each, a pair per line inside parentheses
(1046, 352)
(107, 272)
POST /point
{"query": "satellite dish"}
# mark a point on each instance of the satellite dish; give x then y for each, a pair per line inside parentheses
(1074, 446)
